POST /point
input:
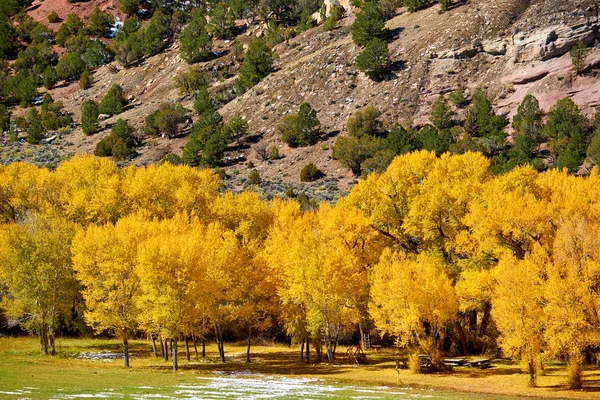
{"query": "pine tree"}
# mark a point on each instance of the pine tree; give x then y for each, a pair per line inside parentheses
(36, 129)
(374, 59)
(89, 117)
(369, 24)
(257, 64)
(113, 102)
(196, 43)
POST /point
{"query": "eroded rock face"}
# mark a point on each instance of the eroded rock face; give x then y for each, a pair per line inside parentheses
(554, 41)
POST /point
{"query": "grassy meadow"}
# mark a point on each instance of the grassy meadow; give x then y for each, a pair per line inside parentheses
(25, 373)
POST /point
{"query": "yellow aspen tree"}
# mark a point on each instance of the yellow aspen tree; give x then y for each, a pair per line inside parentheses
(518, 300)
(21, 191)
(91, 190)
(253, 288)
(573, 294)
(214, 274)
(35, 261)
(413, 300)
(165, 263)
(161, 191)
(292, 314)
(105, 259)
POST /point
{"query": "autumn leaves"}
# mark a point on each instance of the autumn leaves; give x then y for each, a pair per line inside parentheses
(437, 252)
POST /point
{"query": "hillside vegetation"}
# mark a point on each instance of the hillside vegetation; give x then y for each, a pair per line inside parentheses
(398, 58)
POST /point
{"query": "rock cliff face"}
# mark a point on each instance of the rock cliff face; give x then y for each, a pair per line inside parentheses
(510, 47)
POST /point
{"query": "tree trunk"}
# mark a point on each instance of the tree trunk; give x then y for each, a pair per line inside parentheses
(249, 341)
(319, 349)
(307, 351)
(187, 349)
(153, 345)
(532, 374)
(52, 345)
(125, 353)
(203, 348)
(462, 338)
(171, 347)
(44, 339)
(195, 339)
(329, 349)
(302, 351)
(219, 337)
(362, 335)
(175, 365)
(166, 349)
(485, 319)
(162, 348)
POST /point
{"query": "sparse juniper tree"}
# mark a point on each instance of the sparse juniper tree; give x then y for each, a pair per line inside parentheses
(36, 129)
(222, 21)
(89, 117)
(578, 55)
(195, 41)
(257, 64)
(374, 60)
(50, 77)
(369, 24)
(114, 102)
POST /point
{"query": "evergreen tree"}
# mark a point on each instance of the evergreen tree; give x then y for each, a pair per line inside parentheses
(441, 114)
(257, 64)
(68, 29)
(24, 87)
(203, 101)
(4, 118)
(114, 102)
(50, 77)
(196, 43)
(307, 125)
(36, 129)
(100, 22)
(222, 22)
(374, 59)
(70, 67)
(85, 80)
(89, 117)
(369, 24)
(123, 131)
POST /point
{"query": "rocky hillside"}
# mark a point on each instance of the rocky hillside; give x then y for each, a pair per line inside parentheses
(510, 47)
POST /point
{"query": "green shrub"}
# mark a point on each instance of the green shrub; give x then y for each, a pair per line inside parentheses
(374, 59)
(365, 122)
(36, 130)
(114, 102)
(195, 41)
(50, 77)
(70, 67)
(123, 131)
(310, 173)
(129, 7)
(258, 63)
(274, 153)
(191, 81)
(85, 80)
(301, 129)
(254, 178)
(166, 120)
(369, 24)
(578, 55)
(53, 17)
(89, 117)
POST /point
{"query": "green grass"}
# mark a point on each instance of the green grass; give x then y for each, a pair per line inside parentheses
(22, 367)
